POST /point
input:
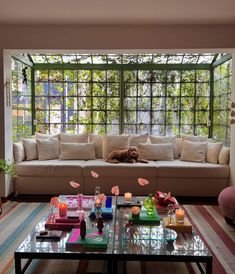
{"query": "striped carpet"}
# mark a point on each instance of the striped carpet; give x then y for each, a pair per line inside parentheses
(18, 220)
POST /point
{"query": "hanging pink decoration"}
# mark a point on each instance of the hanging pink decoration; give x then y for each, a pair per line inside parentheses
(54, 201)
(143, 182)
(74, 184)
(94, 174)
(115, 190)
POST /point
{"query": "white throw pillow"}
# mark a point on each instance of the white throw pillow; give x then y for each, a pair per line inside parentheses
(194, 151)
(161, 152)
(30, 147)
(224, 156)
(73, 151)
(136, 139)
(113, 142)
(166, 140)
(39, 135)
(48, 148)
(97, 139)
(73, 138)
(212, 153)
(18, 152)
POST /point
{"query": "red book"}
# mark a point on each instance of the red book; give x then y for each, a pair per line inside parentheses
(52, 224)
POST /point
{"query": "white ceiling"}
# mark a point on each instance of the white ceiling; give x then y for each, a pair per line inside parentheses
(117, 12)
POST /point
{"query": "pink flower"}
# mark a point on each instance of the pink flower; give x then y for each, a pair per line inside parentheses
(143, 182)
(115, 190)
(54, 201)
(74, 184)
(101, 197)
(94, 174)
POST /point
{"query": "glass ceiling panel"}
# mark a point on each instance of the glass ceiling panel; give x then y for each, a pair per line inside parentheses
(181, 58)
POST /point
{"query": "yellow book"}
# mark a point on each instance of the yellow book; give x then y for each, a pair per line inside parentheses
(178, 227)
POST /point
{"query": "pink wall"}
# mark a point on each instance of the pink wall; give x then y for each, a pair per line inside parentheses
(116, 36)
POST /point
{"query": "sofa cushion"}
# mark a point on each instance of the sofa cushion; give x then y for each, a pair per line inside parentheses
(224, 156)
(120, 170)
(166, 140)
(54, 168)
(48, 148)
(73, 151)
(30, 147)
(189, 170)
(156, 152)
(194, 151)
(113, 142)
(73, 138)
(97, 139)
(18, 152)
(212, 153)
(137, 139)
(39, 135)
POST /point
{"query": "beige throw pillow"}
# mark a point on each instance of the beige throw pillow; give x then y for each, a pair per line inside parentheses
(73, 138)
(224, 156)
(136, 139)
(113, 142)
(72, 151)
(97, 139)
(18, 152)
(212, 153)
(161, 152)
(194, 151)
(39, 135)
(48, 148)
(166, 140)
(190, 138)
(30, 147)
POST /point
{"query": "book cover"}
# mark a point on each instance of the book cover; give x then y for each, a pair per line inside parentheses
(92, 240)
(52, 224)
(146, 219)
(134, 202)
(106, 213)
(50, 235)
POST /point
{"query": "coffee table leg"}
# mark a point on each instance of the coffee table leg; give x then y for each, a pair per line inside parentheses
(17, 265)
(209, 267)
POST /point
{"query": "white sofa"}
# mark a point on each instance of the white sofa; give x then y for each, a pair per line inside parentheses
(182, 178)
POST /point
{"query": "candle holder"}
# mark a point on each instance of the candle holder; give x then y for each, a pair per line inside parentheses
(179, 215)
(127, 197)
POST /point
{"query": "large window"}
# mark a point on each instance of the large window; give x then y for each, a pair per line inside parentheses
(159, 94)
(21, 100)
(221, 101)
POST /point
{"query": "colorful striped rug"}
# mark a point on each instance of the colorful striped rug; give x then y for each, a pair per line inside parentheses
(18, 220)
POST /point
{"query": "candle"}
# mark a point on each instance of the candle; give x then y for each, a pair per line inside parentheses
(128, 197)
(179, 215)
(97, 201)
(63, 209)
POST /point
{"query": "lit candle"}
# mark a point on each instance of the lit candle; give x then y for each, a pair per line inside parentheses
(97, 201)
(128, 197)
(63, 209)
(179, 215)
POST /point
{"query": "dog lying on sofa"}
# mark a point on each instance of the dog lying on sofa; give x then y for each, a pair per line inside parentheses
(130, 155)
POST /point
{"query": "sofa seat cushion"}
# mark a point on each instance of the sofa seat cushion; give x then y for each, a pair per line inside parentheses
(120, 170)
(50, 168)
(182, 169)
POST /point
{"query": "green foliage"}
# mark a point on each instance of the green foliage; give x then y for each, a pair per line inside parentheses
(7, 168)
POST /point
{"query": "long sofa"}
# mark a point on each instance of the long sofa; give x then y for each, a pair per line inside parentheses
(182, 178)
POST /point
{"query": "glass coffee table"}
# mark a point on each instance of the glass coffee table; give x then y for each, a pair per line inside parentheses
(147, 243)
(138, 243)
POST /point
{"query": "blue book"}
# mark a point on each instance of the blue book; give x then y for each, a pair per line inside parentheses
(107, 213)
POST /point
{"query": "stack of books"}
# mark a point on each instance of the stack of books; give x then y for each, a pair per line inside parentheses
(56, 222)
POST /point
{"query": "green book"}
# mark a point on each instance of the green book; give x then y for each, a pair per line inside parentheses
(93, 239)
(146, 219)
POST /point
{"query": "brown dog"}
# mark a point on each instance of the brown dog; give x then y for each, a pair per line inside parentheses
(130, 155)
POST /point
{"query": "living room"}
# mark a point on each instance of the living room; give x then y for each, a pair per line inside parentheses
(162, 31)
